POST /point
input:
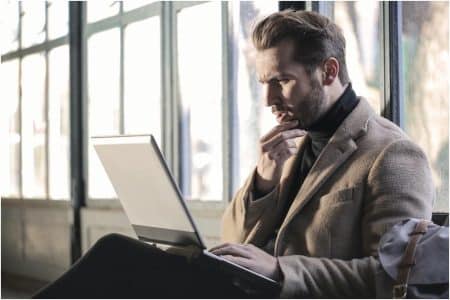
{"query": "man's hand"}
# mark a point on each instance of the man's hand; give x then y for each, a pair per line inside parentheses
(276, 147)
(250, 257)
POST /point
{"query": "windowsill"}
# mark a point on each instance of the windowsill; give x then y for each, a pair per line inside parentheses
(209, 208)
(35, 202)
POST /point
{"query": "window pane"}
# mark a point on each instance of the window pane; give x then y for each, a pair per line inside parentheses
(360, 23)
(59, 123)
(425, 41)
(97, 10)
(58, 19)
(34, 126)
(200, 73)
(9, 24)
(10, 130)
(33, 22)
(254, 118)
(132, 4)
(142, 83)
(103, 92)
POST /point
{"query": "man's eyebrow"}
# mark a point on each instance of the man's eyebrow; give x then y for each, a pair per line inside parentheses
(274, 77)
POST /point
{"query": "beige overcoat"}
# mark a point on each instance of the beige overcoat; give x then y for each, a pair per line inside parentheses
(369, 176)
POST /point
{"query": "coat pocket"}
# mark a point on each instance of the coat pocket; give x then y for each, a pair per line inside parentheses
(341, 196)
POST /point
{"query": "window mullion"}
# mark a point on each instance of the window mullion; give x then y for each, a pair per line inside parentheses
(229, 105)
(168, 108)
(46, 109)
(78, 113)
(394, 96)
(121, 75)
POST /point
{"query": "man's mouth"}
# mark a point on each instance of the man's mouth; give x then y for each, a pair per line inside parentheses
(282, 115)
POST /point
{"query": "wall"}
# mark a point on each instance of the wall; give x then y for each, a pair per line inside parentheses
(35, 240)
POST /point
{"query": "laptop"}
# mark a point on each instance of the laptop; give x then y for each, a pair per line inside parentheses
(154, 204)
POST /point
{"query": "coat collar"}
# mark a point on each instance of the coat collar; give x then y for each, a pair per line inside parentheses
(339, 148)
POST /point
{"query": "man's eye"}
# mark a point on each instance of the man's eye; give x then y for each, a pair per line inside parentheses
(283, 81)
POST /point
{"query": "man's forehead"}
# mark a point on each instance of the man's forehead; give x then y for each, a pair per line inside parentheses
(280, 54)
(275, 59)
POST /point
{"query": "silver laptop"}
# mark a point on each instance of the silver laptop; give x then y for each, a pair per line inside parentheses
(152, 200)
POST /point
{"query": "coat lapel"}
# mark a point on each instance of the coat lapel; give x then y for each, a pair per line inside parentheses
(331, 158)
(340, 147)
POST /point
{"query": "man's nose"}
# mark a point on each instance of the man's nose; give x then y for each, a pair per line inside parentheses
(271, 95)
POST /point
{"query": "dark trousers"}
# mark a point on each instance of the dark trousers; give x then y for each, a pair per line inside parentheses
(121, 267)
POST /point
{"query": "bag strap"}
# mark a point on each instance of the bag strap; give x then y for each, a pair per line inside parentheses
(408, 260)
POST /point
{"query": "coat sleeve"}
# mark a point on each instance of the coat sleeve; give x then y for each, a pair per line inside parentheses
(244, 212)
(399, 186)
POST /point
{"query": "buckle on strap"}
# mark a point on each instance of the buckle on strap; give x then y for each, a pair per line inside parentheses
(399, 291)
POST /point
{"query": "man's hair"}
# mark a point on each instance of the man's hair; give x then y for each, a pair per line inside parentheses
(316, 38)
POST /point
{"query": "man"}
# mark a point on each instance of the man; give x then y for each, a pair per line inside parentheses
(332, 177)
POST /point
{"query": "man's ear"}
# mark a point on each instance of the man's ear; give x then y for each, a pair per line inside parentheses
(330, 71)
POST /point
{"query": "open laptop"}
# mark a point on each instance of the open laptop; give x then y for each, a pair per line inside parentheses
(153, 202)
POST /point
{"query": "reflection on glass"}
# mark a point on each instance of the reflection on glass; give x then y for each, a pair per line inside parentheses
(10, 130)
(360, 23)
(33, 22)
(58, 111)
(9, 25)
(425, 41)
(132, 4)
(97, 10)
(200, 74)
(103, 93)
(142, 78)
(58, 18)
(254, 118)
(33, 126)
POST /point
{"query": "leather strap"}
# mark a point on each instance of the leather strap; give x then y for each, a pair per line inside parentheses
(408, 260)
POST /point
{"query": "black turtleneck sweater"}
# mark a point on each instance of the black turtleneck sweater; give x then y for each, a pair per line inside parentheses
(318, 136)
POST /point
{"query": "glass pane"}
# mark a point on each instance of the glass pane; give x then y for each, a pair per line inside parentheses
(58, 111)
(254, 118)
(200, 74)
(97, 10)
(103, 92)
(360, 22)
(142, 83)
(10, 130)
(33, 22)
(34, 126)
(9, 22)
(132, 4)
(58, 19)
(425, 41)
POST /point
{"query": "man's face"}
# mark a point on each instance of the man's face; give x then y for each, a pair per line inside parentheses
(288, 89)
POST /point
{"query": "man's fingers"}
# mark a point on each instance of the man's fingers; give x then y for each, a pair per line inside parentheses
(218, 247)
(246, 263)
(282, 153)
(279, 128)
(283, 137)
(232, 249)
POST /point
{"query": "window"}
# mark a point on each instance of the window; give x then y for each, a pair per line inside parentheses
(361, 24)
(123, 78)
(425, 41)
(200, 83)
(35, 60)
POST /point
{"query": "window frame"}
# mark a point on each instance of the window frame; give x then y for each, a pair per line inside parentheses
(20, 53)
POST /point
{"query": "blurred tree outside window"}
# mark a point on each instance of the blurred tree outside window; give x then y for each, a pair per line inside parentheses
(425, 41)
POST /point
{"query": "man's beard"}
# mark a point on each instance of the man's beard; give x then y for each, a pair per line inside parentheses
(312, 106)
